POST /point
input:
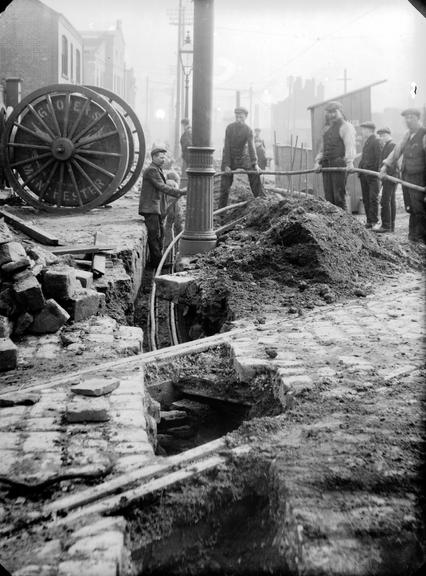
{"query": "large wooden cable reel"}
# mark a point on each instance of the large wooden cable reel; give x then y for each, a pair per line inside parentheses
(70, 148)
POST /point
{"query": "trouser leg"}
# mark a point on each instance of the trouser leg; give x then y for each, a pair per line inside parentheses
(388, 207)
(365, 196)
(225, 184)
(392, 208)
(339, 189)
(256, 185)
(328, 186)
(373, 196)
(154, 225)
(419, 214)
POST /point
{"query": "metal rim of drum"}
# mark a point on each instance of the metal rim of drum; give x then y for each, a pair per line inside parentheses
(137, 130)
(57, 146)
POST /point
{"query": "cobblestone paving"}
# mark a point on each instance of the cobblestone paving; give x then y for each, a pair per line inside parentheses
(366, 355)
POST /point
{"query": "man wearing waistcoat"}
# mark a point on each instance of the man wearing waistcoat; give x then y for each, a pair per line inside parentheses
(338, 150)
(370, 160)
(412, 150)
(153, 204)
(239, 152)
(387, 202)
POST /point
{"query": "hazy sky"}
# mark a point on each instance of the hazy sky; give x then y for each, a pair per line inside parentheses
(261, 42)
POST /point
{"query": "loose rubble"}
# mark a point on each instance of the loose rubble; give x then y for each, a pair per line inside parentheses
(39, 294)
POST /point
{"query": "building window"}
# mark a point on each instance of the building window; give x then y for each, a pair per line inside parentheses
(72, 61)
(77, 66)
(64, 56)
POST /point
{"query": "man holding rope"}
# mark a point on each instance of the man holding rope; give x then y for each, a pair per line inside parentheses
(338, 150)
(239, 152)
(412, 150)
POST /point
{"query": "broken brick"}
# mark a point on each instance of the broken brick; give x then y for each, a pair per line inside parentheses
(96, 386)
(85, 278)
(7, 302)
(5, 233)
(60, 282)
(50, 318)
(22, 323)
(8, 355)
(12, 267)
(83, 304)
(28, 291)
(11, 252)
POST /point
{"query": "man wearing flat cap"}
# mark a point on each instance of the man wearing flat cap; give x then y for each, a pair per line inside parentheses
(153, 203)
(412, 151)
(387, 202)
(338, 149)
(239, 152)
(370, 160)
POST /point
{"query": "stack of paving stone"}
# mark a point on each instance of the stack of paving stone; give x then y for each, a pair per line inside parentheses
(38, 294)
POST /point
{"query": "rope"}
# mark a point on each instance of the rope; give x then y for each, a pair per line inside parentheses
(333, 169)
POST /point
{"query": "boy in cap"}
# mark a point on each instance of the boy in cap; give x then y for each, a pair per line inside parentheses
(412, 150)
(153, 204)
(370, 160)
(338, 149)
(239, 152)
(387, 203)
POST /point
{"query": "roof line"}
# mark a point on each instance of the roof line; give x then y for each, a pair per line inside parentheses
(346, 94)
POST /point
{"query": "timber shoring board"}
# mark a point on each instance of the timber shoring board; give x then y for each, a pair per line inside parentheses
(81, 249)
(30, 230)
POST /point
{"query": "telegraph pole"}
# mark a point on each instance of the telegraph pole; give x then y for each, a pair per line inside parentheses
(178, 82)
(198, 235)
(345, 80)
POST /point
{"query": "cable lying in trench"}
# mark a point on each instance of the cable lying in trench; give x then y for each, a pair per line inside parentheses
(153, 325)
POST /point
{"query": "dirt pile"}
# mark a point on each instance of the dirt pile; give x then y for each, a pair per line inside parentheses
(297, 252)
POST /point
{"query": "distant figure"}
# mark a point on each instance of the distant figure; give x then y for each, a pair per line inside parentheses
(387, 203)
(153, 204)
(185, 142)
(259, 144)
(239, 152)
(412, 150)
(370, 160)
(338, 149)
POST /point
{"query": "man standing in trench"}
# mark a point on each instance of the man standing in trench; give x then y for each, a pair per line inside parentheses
(338, 150)
(239, 152)
(370, 160)
(153, 204)
(412, 150)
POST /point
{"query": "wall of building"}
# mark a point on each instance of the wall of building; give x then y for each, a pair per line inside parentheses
(28, 37)
(70, 53)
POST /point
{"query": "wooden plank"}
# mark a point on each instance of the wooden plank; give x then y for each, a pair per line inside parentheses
(32, 231)
(81, 249)
(115, 503)
(124, 480)
(211, 397)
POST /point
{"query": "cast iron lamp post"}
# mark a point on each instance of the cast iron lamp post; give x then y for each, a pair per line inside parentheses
(186, 58)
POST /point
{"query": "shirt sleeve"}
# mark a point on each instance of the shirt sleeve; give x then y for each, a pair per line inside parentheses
(392, 159)
(320, 154)
(348, 135)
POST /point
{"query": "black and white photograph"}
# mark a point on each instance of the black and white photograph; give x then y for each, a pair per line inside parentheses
(212, 290)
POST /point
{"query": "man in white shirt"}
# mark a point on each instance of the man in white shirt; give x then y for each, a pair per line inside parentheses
(338, 150)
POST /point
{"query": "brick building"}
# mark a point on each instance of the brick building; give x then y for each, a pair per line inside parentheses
(39, 45)
(104, 62)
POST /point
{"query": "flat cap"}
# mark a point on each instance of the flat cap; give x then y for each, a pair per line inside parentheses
(409, 111)
(241, 110)
(384, 130)
(157, 150)
(368, 124)
(331, 106)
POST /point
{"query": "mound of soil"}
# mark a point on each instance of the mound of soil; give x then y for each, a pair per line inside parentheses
(297, 252)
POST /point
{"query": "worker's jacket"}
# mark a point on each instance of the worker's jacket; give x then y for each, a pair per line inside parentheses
(152, 199)
(370, 156)
(239, 150)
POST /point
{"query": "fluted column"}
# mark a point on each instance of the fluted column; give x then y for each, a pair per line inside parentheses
(198, 234)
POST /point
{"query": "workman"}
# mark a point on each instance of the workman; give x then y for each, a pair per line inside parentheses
(412, 151)
(185, 142)
(370, 160)
(259, 144)
(387, 202)
(239, 153)
(153, 203)
(338, 149)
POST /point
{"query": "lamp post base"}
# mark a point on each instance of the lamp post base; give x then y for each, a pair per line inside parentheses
(199, 235)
